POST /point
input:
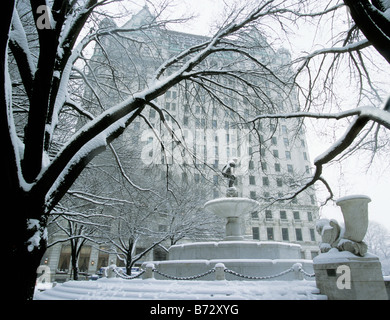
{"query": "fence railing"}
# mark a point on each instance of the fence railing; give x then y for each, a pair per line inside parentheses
(220, 270)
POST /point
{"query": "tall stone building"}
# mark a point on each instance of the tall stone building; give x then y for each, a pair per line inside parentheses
(202, 127)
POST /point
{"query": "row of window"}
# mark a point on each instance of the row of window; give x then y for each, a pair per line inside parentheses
(267, 197)
(284, 232)
(283, 215)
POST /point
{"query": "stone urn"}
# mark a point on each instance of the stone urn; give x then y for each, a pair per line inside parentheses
(355, 212)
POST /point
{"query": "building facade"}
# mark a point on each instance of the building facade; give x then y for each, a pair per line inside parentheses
(194, 129)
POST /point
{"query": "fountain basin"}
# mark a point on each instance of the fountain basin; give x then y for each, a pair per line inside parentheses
(231, 207)
(235, 250)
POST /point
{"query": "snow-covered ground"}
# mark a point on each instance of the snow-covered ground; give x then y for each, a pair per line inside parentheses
(151, 289)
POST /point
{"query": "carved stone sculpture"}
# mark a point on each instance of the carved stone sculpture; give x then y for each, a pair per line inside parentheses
(350, 238)
(227, 172)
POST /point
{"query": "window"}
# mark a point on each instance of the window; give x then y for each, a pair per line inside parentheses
(214, 124)
(264, 166)
(286, 142)
(84, 256)
(285, 234)
(162, 228)
(309, 216)
(215, 180)
(279, 182)
(253, 195)
(277, 167)
(270, 233)
(296, 215)
(265, 181)
(255, 233)
(274, 141)
(252, 180)
(102, 258)
(284, 129)
(255, 215)
(288, 155)
(283, 215)
(305, 156)
(197, 177)
(275, 153)
(267, 197)
(298, 233)
(268, 214)
(312, 235)
(294, 200)
(251, 165)
(63, 263)
(290, 168)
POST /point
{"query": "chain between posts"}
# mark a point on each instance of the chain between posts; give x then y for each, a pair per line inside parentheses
(184, 278)
(297, 267)
(258, 278)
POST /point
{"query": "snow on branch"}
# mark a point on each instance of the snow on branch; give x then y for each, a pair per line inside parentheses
(362, 116)
(381, 116)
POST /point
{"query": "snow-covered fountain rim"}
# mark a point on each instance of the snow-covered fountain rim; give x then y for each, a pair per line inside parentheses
(229, 243)
(353, 197)
(231, 199)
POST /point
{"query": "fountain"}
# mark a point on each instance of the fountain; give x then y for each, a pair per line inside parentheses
(249, 257)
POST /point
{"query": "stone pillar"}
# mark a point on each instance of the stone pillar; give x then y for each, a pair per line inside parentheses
(345, 276)
(233, 229)
(219, 271)
(149, 271)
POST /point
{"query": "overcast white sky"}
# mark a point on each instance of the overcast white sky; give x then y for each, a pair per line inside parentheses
(351, 177)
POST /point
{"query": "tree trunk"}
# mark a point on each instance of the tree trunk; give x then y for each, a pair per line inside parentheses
(22, 258)
(25, 248)
(75, 267)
